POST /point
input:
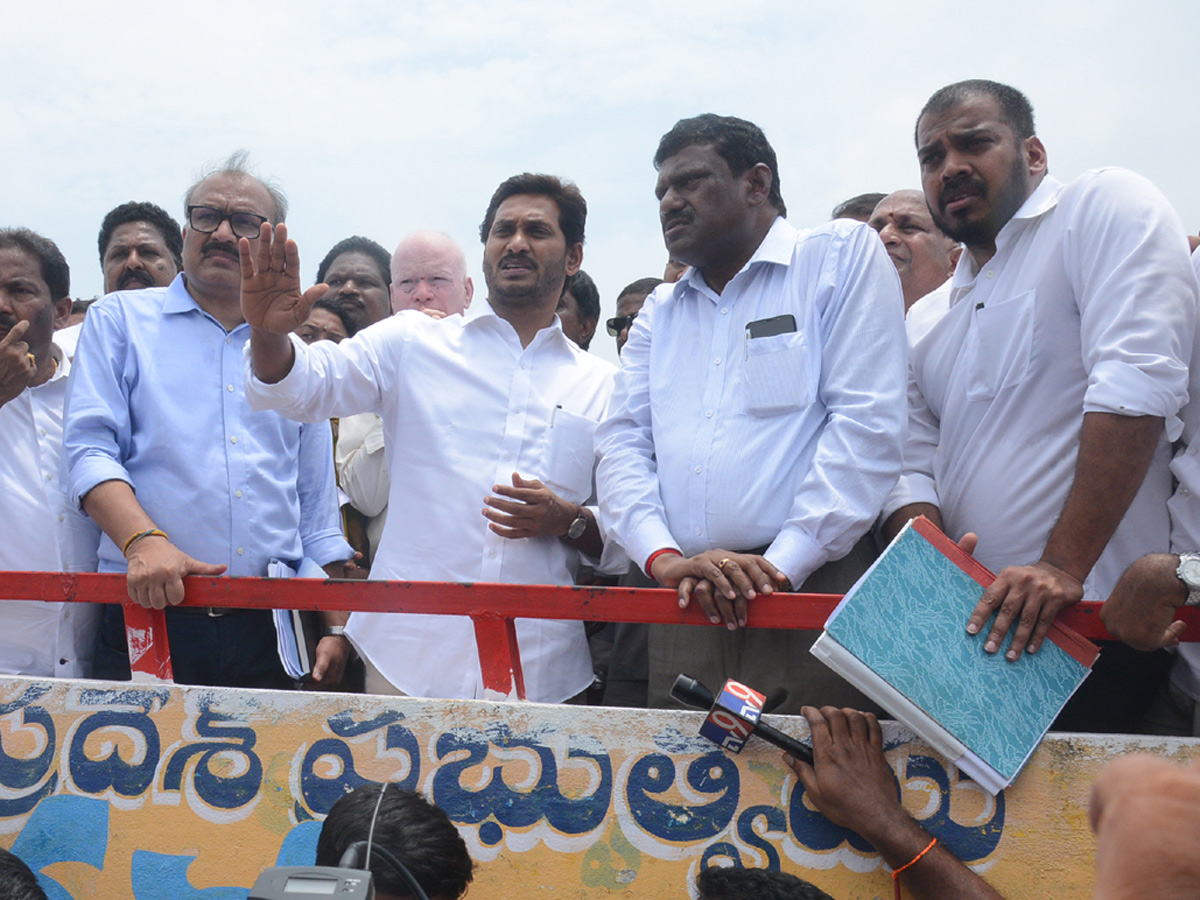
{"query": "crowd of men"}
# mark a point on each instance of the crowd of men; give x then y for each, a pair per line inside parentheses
(1010, 356)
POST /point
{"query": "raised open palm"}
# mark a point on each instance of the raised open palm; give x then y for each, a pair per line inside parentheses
(271, 296)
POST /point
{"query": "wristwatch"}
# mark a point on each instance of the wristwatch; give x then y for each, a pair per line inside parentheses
(1189, 574)
(334, 631)
(578, 526)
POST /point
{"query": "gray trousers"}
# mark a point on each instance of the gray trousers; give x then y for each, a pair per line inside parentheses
(773, 661)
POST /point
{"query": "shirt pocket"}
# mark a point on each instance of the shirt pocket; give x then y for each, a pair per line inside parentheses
(776, 374)
(1001, 346)
(570, 455)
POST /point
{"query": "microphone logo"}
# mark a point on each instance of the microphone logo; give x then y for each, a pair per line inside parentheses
(734, 716)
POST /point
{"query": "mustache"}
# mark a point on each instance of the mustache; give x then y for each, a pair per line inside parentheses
(522, 258)
(958, 184)
(219, 247)
(679, 215)
(7, 321)
(135, 275)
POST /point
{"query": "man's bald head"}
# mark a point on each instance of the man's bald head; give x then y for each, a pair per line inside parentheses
(429, 272)
(923, 255)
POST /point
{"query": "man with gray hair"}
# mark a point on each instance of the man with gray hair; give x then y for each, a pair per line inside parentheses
(157, 407)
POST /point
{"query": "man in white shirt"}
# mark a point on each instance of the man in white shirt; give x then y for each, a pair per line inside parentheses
(428, 273)
(42, 530)
(1043, 403)
(496, 411)
(759, 414)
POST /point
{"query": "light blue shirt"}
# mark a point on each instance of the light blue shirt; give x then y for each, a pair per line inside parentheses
(721, 436)
(156, 400)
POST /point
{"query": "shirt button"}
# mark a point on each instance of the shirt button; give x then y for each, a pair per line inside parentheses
(43, 431)
(991, 273)
(491, 554)
(233, 440)
(62, 518)
(49, 476)
(698, 470)
(708, 414)
(725, 311)
(241, 551)
(238, 494)
(508, 457)
(229, 387)
(62, 662)
(697, 531)
(718, 360)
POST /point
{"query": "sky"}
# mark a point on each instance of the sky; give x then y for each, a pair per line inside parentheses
(381, 118)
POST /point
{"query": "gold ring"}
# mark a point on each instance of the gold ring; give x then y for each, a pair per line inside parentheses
(32, 359)
(723, 563)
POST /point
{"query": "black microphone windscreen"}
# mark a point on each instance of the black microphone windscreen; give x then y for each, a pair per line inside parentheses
(689, 691)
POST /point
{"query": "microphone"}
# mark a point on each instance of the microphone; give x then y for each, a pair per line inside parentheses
(734, 716)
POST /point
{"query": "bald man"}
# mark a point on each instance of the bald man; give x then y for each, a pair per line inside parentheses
(429, 273)
(924, 256)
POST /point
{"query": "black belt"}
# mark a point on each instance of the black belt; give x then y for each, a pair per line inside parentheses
(213, 612)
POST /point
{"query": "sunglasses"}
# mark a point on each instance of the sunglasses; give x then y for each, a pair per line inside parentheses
(617, 324)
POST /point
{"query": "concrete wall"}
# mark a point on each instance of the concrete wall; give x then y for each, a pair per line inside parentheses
(168, 793)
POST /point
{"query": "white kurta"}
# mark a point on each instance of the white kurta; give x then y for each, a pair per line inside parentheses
(40, 530)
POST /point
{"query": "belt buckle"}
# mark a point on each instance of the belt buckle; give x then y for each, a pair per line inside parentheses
(216, 612)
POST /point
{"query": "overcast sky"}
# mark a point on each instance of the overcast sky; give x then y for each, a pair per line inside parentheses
(382, 117)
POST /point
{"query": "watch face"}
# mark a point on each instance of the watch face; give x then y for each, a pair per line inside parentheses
(578, 527)
(1189, 570)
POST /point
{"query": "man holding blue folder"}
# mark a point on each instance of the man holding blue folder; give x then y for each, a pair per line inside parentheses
(1043, 403)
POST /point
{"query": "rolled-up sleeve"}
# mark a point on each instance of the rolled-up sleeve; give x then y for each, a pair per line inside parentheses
(320, 523)
(1137, 299)
(96, 431)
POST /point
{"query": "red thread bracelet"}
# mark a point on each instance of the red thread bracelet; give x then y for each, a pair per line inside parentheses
(911, 862)
(655, 555)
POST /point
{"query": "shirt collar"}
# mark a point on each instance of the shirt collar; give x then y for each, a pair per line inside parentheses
(778, 246)
(489, 318)
(61, 370)
(178, 300)
(1043, 199)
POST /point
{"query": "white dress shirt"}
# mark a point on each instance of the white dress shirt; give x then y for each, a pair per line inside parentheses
(1088, 305)
(463, 406)
(1185, 506)
(42, 531)
(360, 457)
(793, 440)
(927, 312)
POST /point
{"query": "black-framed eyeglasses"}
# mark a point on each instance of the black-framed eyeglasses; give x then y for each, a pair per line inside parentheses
(617, 324)
(207, 219)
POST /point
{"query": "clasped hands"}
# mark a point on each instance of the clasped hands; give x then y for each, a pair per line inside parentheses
(723, 582)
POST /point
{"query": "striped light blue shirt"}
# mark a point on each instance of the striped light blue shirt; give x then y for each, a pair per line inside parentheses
(793, 440)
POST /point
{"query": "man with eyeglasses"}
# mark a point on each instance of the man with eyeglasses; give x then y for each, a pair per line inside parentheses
(629, 304)
(163, 452)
